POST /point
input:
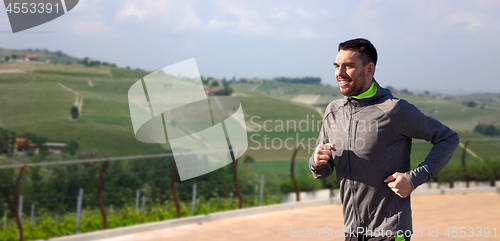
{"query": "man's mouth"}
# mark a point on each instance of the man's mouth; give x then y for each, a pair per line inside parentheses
(343, 82)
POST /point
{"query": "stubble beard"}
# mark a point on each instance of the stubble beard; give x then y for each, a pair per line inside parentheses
(357, 84)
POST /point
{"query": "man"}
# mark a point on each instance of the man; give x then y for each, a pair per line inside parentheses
(366, 137)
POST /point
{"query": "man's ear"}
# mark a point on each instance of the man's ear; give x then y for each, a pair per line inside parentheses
(370, 69)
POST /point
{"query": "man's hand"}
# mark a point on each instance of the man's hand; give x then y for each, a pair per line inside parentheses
(399, 184)
(323, 153)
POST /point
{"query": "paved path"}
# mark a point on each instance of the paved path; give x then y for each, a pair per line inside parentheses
(429, 213)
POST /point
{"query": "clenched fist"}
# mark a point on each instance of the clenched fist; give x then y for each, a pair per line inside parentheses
(322, 153)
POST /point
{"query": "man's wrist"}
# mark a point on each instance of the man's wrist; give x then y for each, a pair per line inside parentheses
(408, 177)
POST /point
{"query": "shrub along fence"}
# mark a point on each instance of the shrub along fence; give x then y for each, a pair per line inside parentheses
(136, 207)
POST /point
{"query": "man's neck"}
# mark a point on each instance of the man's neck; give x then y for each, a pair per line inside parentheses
(372, 90)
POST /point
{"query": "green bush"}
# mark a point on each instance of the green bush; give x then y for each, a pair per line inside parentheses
(305, 184)
(74, 112)
(51, 226)
(487, 170)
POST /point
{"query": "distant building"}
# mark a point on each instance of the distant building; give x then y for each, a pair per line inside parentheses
(26, 58)
(55, 148)
(210, 81)
(22, 145)
(441, 96)
(215, 89)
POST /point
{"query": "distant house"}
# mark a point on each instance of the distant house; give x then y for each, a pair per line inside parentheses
(211, 81)
(55, 148)
(440, 96)
(22, 145)
(26, 58)
(215, 89)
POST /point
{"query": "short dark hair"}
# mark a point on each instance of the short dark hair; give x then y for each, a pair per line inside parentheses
(364, 47)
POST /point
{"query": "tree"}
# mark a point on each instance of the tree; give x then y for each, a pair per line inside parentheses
(74, 112)
(13, 137)
(4, 141)
(248, 160)
(71, 148)
(470, 103)
(490, 131)
(215, 84)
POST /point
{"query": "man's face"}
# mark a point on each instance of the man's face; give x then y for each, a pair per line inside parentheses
(352, 76)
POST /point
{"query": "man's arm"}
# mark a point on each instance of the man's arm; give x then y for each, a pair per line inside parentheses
(409, 122)
(321, 162)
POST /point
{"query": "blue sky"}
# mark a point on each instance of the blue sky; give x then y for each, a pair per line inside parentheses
(442, 46)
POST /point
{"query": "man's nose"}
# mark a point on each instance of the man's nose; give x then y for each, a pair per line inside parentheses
(340, 71)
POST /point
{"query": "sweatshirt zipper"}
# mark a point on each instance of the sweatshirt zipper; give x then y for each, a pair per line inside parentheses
(355, 134)
(356, 212)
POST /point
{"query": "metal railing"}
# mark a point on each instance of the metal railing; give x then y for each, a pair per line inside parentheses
(104, 162)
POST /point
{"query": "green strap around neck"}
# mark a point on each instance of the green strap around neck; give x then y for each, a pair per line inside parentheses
(369, 93)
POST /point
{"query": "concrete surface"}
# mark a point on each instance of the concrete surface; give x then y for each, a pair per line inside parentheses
(430, 214)
(433, 208)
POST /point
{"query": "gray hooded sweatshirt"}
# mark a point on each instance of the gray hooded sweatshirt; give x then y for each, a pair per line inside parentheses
(373, 138)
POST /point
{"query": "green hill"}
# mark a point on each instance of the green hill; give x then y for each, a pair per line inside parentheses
(38, 97)
(38, 100)
(43, 54)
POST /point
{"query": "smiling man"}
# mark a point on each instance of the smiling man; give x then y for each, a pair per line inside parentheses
(366, 138)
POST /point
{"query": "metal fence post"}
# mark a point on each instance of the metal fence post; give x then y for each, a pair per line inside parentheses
(137, 201)
(292, 175)
(32, 213)
(20, 207)
(4, 219)
(463, 164)
(99, 197)
(78, 210)
(194, 198)
(235, 182)
(261, 189)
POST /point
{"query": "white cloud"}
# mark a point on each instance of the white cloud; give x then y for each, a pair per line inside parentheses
(248, 20)
(299, 33)
(220, 24)
(85, 6)
(471, 20)
(173, 15)
(88, 27)
(303, 13)
(367, 20)
(189, 20)
(280, 15)
(142, 10)
(234, 17)
(469, 17)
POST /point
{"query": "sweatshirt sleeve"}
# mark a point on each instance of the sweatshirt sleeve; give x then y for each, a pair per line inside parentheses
(409, 122)
(323, 171)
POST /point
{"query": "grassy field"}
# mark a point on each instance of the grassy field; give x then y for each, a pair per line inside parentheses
(35, 101)
(42, 55)
(453, 113)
